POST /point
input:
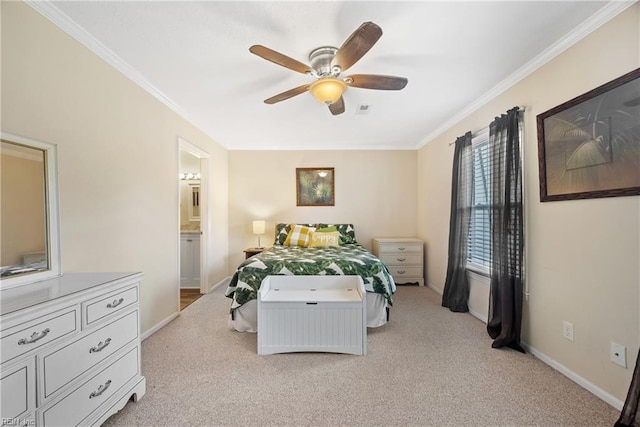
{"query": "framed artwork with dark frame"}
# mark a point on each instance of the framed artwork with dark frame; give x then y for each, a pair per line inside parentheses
(589, 147)
(315, 187)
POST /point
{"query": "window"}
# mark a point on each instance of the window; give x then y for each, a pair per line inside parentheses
(480, 246)
(479, 256)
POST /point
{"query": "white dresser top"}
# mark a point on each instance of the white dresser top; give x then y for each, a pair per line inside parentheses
(398, 239)
(21, 297)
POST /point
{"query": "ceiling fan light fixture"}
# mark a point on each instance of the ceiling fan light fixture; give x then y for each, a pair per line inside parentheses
(327, 90)
(327, 65)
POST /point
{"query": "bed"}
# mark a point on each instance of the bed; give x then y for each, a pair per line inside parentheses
(310, 249)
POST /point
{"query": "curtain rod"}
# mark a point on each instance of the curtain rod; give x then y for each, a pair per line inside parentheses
(520, 107)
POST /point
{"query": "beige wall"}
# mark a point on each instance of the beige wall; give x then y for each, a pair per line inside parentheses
(583, 255)
(117, 159)
(374, 190)
(118, 162)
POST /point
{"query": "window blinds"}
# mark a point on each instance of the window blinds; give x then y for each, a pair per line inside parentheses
(479, 229)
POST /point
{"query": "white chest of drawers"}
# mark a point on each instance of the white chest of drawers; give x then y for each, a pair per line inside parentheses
(70, 349)
(403, 256)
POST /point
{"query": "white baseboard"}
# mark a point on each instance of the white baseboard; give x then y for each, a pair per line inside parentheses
(223, 282)
(473, 313)
(166, 321)
(438, 290)
(589, 386)
(581, 381)
(478, 316)
(158, 326)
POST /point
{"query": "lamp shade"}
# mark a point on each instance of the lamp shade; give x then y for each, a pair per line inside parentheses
(327, 90)
(258, 227)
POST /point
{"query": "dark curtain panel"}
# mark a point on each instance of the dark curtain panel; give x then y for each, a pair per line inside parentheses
(507, 232)
(456, 286)
(630, 416)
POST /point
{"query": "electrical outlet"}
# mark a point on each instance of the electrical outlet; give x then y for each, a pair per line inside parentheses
(567, 330)
(619, 354)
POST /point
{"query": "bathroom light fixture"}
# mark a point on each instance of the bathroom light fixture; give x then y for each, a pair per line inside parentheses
(258, 228)
(190, 176)
(328, 90)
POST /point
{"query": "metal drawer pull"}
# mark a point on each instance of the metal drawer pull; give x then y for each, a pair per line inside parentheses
(401, 259)
(34, 337)
(101, 346)
(115, 303)
(401, 249)
(100, 390)
(401, 271)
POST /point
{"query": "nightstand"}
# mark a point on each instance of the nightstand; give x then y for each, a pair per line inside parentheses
(248, 253)
(403, 256)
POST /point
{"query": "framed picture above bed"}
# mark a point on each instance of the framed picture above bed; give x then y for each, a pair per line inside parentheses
(315, 187)
(589, 147)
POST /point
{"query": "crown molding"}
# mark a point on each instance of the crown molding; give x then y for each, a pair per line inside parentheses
(606, 13)
(324, 147)
(52, 13)
(48, 9)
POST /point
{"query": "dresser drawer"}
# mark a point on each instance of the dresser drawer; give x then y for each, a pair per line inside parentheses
(399, 273)
(63, 365)
(17, 392)
(32, 335)
(400, 247)
(402, 259)
(103, 306)
(91, 394)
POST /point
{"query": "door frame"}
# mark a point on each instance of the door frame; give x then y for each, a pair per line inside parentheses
(184, 145)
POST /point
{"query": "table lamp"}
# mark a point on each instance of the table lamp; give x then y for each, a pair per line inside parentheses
(258, 228)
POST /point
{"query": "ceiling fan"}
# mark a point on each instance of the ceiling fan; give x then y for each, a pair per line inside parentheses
(327, 65)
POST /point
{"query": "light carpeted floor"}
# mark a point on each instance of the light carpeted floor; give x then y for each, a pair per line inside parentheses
(426, 367)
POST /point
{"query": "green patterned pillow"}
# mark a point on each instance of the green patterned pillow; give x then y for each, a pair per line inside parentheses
(347, 232)
(326, 230)
(282, 231)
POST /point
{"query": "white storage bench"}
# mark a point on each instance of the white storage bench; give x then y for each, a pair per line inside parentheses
(312, 314)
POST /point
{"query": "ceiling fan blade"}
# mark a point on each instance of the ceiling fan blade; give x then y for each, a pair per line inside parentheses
(374, 81)
(337, 107)
(280, 59)
(357, 45)
(287, 94)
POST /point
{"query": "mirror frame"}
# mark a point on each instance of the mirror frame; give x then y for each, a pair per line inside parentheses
(194, 196)
(51, 206)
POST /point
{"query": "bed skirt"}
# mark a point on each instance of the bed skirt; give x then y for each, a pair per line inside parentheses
(245, 317)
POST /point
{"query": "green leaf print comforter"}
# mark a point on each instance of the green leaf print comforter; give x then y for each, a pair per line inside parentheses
(348, 260)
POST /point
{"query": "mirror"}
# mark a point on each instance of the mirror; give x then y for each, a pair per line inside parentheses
(194, 202)
(28, 211)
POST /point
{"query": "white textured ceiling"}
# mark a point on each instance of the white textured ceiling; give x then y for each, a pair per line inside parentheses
(195, 57)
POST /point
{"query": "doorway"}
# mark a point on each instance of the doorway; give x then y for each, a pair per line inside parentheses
(193, 222)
